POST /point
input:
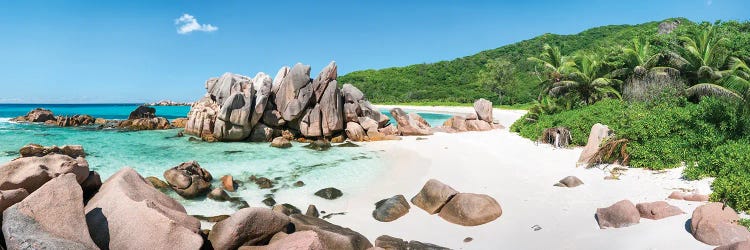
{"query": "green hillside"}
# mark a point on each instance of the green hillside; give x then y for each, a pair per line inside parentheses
(457, 81)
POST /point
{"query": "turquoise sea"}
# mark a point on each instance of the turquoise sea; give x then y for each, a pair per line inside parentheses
(152, 152)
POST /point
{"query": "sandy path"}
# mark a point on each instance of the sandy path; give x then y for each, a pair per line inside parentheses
(519, 174)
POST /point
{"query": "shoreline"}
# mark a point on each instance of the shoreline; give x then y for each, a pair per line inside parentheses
(520, 175)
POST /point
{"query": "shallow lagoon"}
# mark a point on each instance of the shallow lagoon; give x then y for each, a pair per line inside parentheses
(152, 152)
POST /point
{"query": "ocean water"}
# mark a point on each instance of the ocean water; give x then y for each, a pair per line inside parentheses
(152, 152)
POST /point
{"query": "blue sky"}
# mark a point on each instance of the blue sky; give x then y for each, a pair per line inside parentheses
(134, 51)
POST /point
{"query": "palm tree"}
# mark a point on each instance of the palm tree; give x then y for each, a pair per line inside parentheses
(555, 66)
(700, 58)
(640, 60)
(590, 81)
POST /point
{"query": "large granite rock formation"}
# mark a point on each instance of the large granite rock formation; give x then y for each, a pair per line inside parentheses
(247, 227)
(237, 108)
(36, 115)
(144, 118)
(188, 179)
(128, 213)
(30, 173)
(51, 218)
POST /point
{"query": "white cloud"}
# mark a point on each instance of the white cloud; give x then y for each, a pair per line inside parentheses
(187, 23)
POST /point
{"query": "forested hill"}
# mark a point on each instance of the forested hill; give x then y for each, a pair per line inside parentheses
(457, 80)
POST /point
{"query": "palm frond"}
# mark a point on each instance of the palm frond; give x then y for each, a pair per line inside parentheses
(710, 89)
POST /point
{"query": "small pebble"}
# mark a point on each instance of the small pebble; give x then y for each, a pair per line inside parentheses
(468, 239)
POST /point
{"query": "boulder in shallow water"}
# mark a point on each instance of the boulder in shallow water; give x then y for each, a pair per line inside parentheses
(188, 179)
(716, 224)
(50, 218)
(218, 194)
(227, 182)
(329, 193)
(621, 214)
(390, 209)
(468, 209)
(433, 196)
(37, 115)
(142, 112)
(128, 213)
(319, 145)
(156, 123)
(280, 142)
(247, 227)
(30, 173)
(332, 236)
(73, 151)
(657, 210)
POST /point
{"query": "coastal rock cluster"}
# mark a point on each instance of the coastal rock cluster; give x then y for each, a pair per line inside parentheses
(481, 120)
(292, 105)
(142, 118)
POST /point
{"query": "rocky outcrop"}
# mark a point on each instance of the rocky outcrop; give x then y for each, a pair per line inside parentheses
(73, 151)
(128, 213)
(51, 218)
(390, 209)
(228, 183)
(142, 112)
(410, 124)
(716, 224)
(331, 236)
(657, 210)
(468, 209)
(236, 107)
(433, 196)
(570, 181)
(156, 123)
(598, 135)
(75, 120)
(329, 193)
(179, 122)
(621, 214)
(281, 142)
(30, 173)
(667, 27)
(480, 120)
(36, 115)
(188, 179)
(325, 118)
(247, 227)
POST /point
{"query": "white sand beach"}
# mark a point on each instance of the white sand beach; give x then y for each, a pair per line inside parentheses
(520, 175)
